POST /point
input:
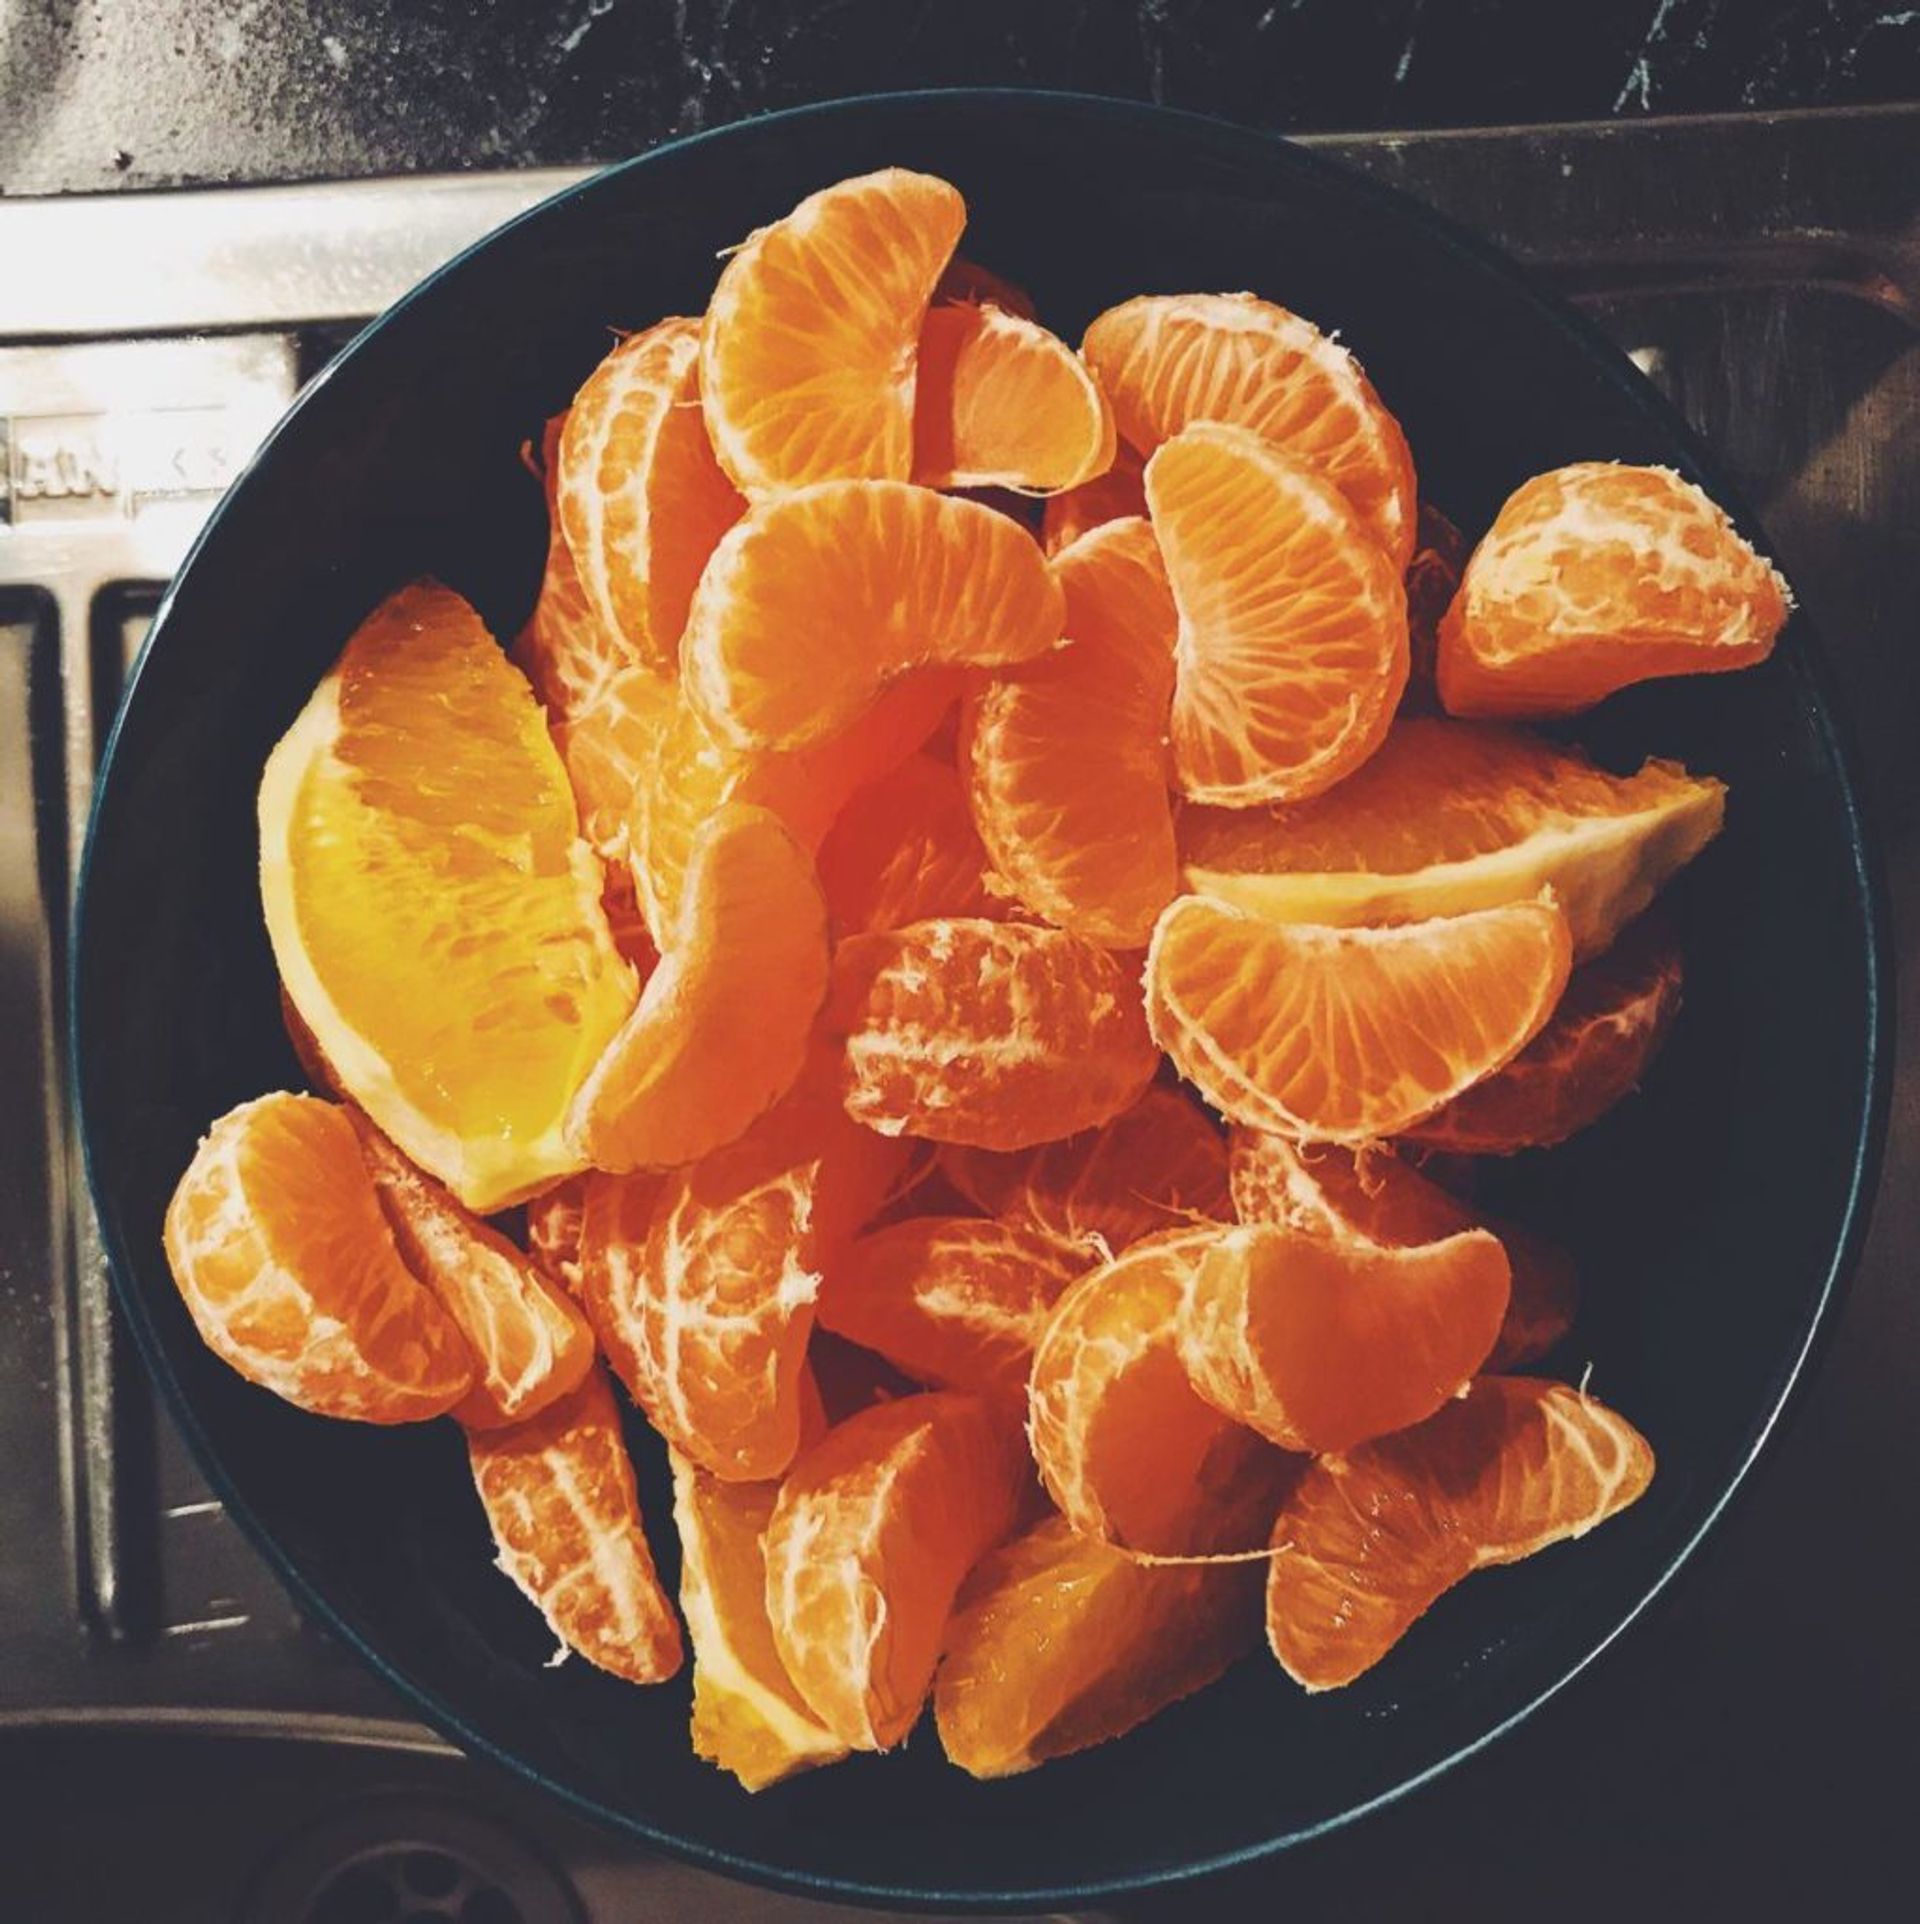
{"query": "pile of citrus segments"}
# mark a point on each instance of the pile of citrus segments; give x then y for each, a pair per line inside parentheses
(978, 1019)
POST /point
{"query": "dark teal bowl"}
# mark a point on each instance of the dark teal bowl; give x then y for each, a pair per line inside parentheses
(1714, 1217)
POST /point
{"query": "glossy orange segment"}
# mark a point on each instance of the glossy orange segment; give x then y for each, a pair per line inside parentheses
(1292, 648)
(641, 499)
(809, 352)
(1596, 576)
(686, 1074)
(1321, 1189)
(1346, 1035)
(952, 1301)
(875, 1529)
(1060, 1642)
(560, 1496)
(1170, 360)
(530, 1344)
(1126, 1447)
(1066, 756)
(1606, 1032)
(1369, 1542)
(1001, 402)
(905, 850)
(1451, 816)
(607, 743)
(282, 1256)
(555, 1221)
(998, 1034)
(1158, 1165)
(1117, 495)
(1321, 1344)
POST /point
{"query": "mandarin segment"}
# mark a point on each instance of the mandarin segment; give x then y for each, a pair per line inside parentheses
(808, 355)
(905, 850)
(687, 1074)
(1367, 1543)
(1345, 1035)
(530, 1344)
(1450, 816)
(1170, 360)
(607, 745)
(1292, 648)
(555, 1220)
(434, 914)
(1321, 1344)
(875, 1529)
(1127, 1449)
(1066, 756)
(286, 1264)
(1598, 575)
(998, 1034)
(560, 1496)
(1117, 495)
(1060, 1642)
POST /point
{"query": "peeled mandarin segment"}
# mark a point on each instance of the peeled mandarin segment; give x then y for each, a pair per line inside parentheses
(1159, 1165)
(1003, 403)
(530, 1344)
(1452, 816)
(1433, 578)
(286, 1264)
(1607, 1030)
(747, 1717)
(1114, 496)
(903, 850)
(808, 352)
(1321, 1344)
(1169, 360)
(435, 917)
(607, 745)
(560, 1496)
(1292, 649)
(1125, 1447)
(692, 771)
(820, 598)
(954, 1302)
(641, 499)
(998, 1034)
(690, 1071)
(1368, 1543)
(1345, 1035)
(1066, 756)
(555, 1220)
(876, 1527)
(1060, 1642)
(1329, 1191)
(1598, 575)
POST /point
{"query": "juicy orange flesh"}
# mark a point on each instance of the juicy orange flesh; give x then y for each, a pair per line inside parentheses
(1060, 1642)
(1370, 1542)
(905, 850)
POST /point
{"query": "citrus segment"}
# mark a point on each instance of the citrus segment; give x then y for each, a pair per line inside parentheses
(1598, 575)
(1126, 1448)
(1451, 816)
(1060, 1642)
(435, 917)
(1169, 360)
(530, 1344)
(1001, 402)
(1343, 1035)
(998, 1034)
(687, 1074)
(641, 499)
(819, 598)
(875, 1529)
(560, 1496)
(607, 744)
(808, 353)
(1321, 1343)
(904, 850)
(1368, 1543)
(1066, 756)
(1114, 496)
(1292, 648)
(286, 1264)
(747, 1717)
(555, 1220)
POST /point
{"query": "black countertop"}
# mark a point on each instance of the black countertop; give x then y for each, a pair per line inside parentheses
(144, 93)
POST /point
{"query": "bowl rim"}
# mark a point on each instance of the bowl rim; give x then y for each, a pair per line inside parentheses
(1825, 717)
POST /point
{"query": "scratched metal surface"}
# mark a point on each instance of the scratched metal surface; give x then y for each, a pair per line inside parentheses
(100, 93)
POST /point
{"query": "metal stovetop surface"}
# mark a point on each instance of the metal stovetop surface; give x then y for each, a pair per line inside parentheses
(1765, 271)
